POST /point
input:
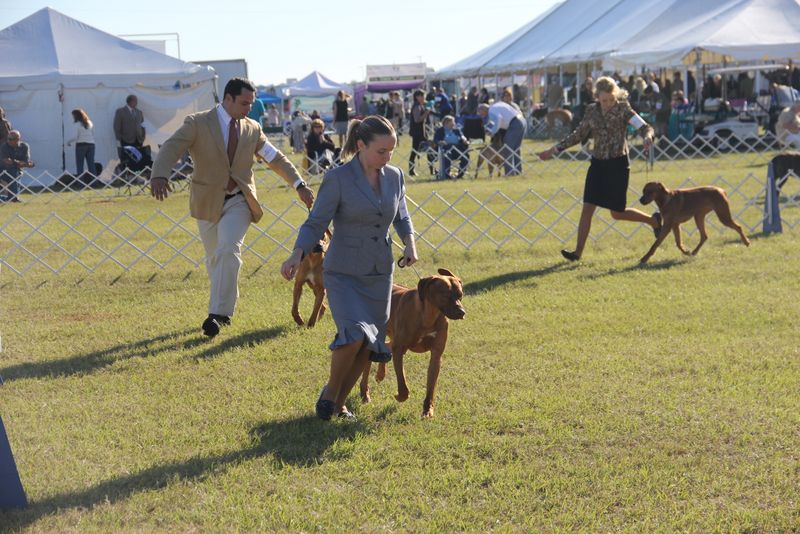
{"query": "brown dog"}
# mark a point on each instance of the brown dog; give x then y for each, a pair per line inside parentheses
(491, 154)
(418, 321)
(558, 120)
(310, 272)
(679, 205)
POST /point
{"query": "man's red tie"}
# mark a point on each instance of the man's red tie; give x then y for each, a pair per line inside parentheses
(233, 142)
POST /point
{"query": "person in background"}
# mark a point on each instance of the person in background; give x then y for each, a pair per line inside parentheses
(472, 101)
(300, 123)
(508, 98)
(606, 121)
(396, 103)
(273, 116)
(502, 116)
(362, 198)
(787, 127)
(416, 128)
(257, 112)
(341, 114)
(84, 143)
(320, 150)
(484, 97)
(555, 94)
(441, 103)
(128, 123)
(223, 190)
(452, 145)
(5, 127)
(14, 156)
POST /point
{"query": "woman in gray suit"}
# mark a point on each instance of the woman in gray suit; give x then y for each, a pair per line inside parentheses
(362, 198)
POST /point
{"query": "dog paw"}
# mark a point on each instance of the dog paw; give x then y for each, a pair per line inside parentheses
(365, 398)
(380, 373)
(427, 409)
(401, 396)
(643, 260)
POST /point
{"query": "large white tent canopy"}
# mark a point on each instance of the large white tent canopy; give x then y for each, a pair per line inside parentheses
(315, 84)
(652, 33)
(51, 64)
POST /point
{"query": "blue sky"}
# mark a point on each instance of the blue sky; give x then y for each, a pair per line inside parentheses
(291, 38)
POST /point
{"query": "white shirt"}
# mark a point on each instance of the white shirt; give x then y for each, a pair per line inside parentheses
(83, 135)
(500, 116)
(268, 151)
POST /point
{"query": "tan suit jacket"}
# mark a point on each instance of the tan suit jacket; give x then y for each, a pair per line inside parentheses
(128, 127)
(202, 136)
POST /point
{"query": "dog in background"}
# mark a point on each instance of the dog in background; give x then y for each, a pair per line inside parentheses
(492, 155)
(783, 164)
(558, 121)
(677, 206)
(418, 321)
(310, 272)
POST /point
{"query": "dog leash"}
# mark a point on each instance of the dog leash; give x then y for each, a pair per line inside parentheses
(401, 260)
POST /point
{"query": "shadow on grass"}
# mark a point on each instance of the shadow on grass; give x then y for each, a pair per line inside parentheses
(300, 441)
(246, 339)
(650, 266)
(494, 282)
(87, 363)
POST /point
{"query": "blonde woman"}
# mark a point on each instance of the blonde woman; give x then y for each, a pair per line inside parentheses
(607, 179)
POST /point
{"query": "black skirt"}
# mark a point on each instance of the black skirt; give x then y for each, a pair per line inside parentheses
(607, 183)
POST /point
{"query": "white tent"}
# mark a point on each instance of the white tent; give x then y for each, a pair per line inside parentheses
(733, 30)
(315, 84)
(51, 64)
(652, 33)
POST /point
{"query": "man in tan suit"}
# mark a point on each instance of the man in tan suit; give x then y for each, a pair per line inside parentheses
(223, 142)
(128, 121)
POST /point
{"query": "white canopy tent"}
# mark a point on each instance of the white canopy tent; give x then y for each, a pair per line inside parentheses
(51, 64)
(654, 33)
(315, 84)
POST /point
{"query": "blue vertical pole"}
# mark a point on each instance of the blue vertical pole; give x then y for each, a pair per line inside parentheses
(12, 495)
(772, 210)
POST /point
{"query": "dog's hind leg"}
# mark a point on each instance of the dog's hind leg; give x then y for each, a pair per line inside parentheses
(364, 386)
(723, 211)
(298, 291)
(700, 219)
(319, 307)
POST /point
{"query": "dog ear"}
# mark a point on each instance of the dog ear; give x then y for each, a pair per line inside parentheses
(422, 287)
(445, 272)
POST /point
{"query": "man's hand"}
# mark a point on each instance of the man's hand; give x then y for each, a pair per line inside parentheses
(160, 188)
(306, 196)
(289, 267)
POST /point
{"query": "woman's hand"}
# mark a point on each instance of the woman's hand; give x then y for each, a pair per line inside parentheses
(289, 267)
(409, 253)
(648, 142)
(547, 154)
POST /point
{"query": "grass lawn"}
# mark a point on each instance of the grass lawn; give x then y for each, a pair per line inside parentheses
(591, 397)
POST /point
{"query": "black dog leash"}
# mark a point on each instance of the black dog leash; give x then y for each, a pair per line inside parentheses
(401, 260)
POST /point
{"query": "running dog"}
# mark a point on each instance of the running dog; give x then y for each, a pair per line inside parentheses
(677, 206)
(418, 321)
(492, 155)
(310, 272)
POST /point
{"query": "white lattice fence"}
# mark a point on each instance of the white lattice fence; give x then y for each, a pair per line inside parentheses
(128, 240)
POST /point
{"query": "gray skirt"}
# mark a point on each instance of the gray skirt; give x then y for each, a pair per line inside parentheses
(360, 308)
(340, 127)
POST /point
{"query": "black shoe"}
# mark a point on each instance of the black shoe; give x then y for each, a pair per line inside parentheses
(223, 320)
(571, 256)
(380, 357)
(412, 173)
(657, 229)
(15, 199)
(324, 408)
(210, 326)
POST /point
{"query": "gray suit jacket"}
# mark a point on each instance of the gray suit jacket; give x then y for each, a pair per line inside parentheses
(361, 242)
(128, 127)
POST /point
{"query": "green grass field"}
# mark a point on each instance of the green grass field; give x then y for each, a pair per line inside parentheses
(591, 397)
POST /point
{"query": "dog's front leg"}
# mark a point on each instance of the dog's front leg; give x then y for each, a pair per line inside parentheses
(397, 359)
(665, 228)
(676, 231)
(434, 365)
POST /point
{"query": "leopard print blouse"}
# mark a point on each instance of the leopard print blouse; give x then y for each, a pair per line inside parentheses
(607, 130)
